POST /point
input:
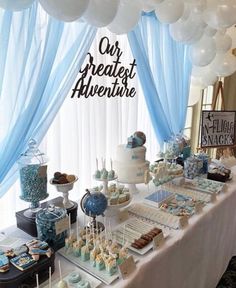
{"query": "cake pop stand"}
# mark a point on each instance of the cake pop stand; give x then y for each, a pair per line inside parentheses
(105, 184)
(65, 188)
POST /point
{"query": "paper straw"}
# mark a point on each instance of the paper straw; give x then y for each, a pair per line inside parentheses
(37, 280)
(59, 265)
(50, 277)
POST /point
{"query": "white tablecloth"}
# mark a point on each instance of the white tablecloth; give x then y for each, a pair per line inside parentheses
(195, 257)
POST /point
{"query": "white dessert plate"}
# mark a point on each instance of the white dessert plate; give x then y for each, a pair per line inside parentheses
(210, 187)
(123, 235)
(88, 267)
(94, 283)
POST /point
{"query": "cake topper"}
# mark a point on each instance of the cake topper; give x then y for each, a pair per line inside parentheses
(136, 140)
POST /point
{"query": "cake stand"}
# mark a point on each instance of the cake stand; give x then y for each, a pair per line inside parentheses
(105, 184)
(65, 188)
(114, 210)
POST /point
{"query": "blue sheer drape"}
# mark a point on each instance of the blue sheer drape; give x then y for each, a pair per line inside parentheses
(164, 71)
(40, 58)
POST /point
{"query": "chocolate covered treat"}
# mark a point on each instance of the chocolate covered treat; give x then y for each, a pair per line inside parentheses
(63, 178)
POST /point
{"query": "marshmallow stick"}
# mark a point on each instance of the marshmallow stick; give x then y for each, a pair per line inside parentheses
(123, 240)
(37, 280)
(77, 230)
(50, 277)
(105, 228)
(69, 224)
(59, 265)
(86, 235)
(84, 220)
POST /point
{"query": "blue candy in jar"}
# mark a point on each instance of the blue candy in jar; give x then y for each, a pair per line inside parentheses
(33, 174)
(205, 159)
(52, 226)
(191, 167)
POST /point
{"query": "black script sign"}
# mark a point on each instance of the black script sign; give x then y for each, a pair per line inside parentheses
(218, 128)
(119, 74)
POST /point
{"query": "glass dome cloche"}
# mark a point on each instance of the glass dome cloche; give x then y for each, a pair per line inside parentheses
(33, 177)
(94, 204)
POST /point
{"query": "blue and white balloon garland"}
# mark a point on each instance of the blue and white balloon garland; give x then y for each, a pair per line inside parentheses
(202, 24)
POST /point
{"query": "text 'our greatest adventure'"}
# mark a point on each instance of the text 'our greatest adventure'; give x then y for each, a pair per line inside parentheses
(115, 76)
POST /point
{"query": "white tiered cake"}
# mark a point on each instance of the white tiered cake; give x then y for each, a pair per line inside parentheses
(130, 164)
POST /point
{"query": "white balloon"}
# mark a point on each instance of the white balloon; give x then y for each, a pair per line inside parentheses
(196, 82)
(223, 42)
(205, 75)
(224, 64)
(100, 13)
(232, 33)
(127, 17)
(220, 13)
(209, 31)
(170, 11)
(15, 5)
(203, 52)
(195, 92)
(67, 11)
(188, 31)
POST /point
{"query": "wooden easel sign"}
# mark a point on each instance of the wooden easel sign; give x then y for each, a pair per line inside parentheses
(218, 128)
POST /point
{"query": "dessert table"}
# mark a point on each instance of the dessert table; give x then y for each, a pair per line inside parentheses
(194, 257)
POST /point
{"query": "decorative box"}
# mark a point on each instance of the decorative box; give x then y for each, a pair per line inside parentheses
(15, 278)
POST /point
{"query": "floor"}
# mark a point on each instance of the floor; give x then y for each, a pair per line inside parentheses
(228, 280)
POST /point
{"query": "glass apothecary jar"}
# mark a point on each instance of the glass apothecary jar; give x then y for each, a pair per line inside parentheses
(33, 177)
(52, 225)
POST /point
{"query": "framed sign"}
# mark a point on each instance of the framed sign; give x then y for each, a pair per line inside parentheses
(218, 128)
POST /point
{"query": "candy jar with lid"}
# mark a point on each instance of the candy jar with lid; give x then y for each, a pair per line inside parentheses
(52, 225)
(33, 177)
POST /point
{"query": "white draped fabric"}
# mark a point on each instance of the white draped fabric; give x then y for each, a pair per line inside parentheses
(89, 128)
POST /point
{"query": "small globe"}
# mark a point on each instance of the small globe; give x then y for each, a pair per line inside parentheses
(94, 204)
(140, 138)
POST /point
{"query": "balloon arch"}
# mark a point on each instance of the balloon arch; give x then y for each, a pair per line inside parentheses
(202, 24)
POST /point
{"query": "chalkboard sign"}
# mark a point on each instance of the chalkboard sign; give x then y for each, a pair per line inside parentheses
(218, 128)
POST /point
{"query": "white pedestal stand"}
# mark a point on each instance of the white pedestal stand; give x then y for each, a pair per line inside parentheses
(65, 188)
(105, 184)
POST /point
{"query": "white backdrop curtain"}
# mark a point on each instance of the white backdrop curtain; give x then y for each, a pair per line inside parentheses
(86, 129)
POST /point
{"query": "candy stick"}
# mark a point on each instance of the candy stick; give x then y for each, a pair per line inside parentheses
(86, 235)
(37, 280)
(123, 240)
(70, 224)
(77, 230)
(59, 265)
(50, 277)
